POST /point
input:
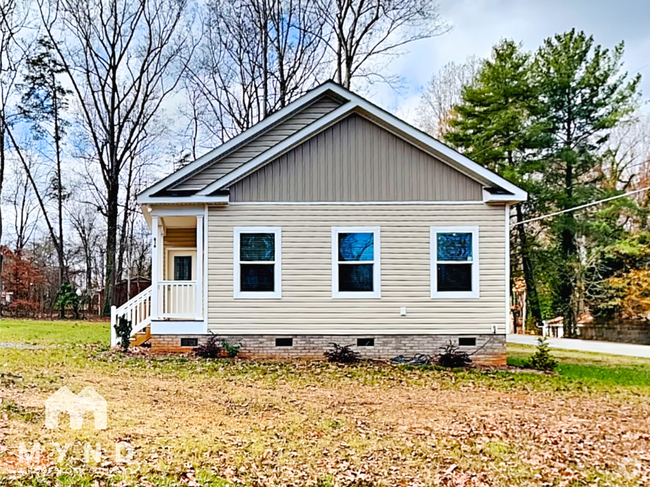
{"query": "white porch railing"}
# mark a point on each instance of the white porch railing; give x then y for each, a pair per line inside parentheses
(177, 300)
(137, 310)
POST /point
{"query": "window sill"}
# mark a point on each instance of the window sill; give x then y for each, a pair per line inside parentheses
(359, 295)
(455, 295)
(261, 295)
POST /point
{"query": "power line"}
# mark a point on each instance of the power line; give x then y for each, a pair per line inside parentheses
(580, 207)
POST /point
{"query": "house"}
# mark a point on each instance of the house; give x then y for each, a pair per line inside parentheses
(331, 221)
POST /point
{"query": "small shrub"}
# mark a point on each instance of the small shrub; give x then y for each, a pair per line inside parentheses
(231, 350)
(67, 297)
(342, 354)
(451, 357)
(123, 329)
(210, 349)
(542, 358)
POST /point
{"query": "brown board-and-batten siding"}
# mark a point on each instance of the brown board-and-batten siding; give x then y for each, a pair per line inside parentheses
(254, 148)
(307, 305)
(180, 237)
(355, 160)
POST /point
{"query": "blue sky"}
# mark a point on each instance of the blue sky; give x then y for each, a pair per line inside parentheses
(479, 24)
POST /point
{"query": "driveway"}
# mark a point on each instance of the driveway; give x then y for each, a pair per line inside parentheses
(586, 345)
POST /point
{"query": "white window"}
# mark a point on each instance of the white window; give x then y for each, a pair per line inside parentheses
(356, 264)
(454, 262)
(257, 262)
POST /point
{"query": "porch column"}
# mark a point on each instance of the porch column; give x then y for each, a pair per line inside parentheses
(199, 267)
(156, 246)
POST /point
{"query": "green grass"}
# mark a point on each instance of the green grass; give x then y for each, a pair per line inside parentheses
(592, 369)
(33, 332)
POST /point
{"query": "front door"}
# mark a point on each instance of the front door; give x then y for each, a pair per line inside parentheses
(181, 265)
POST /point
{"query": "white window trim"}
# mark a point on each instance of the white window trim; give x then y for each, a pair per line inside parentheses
(474, 293)
(277, 274)
(376, 275)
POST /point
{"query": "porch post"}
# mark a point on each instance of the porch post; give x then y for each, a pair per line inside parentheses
(156, 245)
(199, 267)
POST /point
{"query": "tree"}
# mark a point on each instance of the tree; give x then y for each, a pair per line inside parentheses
(88, 232)
(14, 16)
(256, 57)
(583, 96)
(494, 126)
(364, 31)
(442, 93)
(25, 210)
(44, 100)
(23, 279)
(122, 58)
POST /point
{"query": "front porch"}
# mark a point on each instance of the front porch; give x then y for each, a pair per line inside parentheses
(175, 301)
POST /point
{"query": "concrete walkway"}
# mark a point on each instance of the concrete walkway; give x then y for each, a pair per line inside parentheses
(586, 345)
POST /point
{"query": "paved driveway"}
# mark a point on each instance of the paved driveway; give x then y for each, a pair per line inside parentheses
(586, 345)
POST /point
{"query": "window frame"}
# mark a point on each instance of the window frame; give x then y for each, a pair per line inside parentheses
(277, 263)
(376, 262)
(475, 292)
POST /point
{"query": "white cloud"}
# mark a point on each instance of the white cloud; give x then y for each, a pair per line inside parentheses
(479, 24)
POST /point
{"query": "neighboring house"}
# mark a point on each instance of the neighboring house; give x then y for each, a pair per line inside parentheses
(331, 221)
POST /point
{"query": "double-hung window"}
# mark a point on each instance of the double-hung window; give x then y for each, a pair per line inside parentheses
(257, 262)
(356, 266)
(454, 262)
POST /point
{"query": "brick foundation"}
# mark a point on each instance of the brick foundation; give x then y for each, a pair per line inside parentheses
(490, 349)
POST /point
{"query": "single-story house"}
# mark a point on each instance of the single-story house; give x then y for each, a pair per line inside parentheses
(330, 221)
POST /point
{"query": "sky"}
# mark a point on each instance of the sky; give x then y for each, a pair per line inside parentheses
(478, 24)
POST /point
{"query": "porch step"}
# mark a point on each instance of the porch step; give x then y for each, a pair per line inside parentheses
(141, 337)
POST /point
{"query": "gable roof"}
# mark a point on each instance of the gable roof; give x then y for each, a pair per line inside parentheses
(172, 188)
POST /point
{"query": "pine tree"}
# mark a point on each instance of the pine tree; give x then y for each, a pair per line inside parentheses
(494, 126)
(43, 104)
(582, 96)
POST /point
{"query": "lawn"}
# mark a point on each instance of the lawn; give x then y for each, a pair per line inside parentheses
(190, 421)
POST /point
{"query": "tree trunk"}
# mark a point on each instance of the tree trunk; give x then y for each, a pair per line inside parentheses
(532, 298)
(2, 170)
(59, 182)
(569, 252)
(111, 244)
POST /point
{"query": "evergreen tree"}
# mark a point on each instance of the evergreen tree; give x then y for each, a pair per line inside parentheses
(493, 126)
(582, 96)
(43, 104)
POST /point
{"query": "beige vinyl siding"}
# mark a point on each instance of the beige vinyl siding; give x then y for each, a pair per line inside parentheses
(254, 148)
(307, 306)
(356, 160)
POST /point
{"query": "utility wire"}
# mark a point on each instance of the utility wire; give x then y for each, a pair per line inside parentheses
(580, 207)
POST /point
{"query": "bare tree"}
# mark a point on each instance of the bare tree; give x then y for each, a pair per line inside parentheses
(123, 59)
(256, 57)
(362, 31)
(89, 233)
(442, 93)
(627, 153)
(25, 209)
(14, 16)
(42, 197)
